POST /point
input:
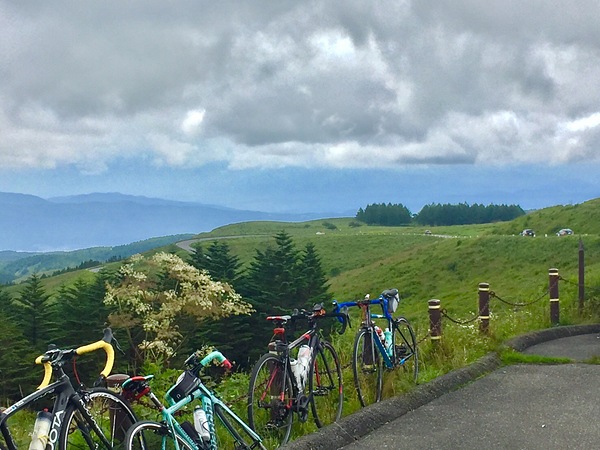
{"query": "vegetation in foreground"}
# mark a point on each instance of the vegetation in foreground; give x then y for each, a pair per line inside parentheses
(355, 260)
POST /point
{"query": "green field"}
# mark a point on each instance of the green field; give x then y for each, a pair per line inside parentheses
(447, 264)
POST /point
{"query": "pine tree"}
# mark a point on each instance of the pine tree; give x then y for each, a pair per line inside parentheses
(312, 280)
(218, 261)
(35, 312)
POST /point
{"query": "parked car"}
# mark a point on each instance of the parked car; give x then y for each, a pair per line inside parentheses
(565, 232)
(427, 232)
(528, 232)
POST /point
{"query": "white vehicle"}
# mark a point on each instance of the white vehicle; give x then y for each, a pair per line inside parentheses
(565, 232)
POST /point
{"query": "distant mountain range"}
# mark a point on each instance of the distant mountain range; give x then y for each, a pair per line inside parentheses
(33, 224)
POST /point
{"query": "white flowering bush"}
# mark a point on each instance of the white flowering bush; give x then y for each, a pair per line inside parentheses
(154, 294)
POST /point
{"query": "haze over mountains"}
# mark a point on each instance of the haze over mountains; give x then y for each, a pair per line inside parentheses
(33, 224)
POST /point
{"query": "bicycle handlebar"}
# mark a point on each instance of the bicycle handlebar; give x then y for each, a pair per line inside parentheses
(55, 356)
(343, 307)
(318, 312)
(219, 357)
(195, 364)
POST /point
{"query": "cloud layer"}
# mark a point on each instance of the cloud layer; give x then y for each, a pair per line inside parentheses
(298, 84)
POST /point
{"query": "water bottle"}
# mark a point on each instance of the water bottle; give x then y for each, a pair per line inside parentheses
(388, 341)
(201, 423)
(302, 365)
(297, 372)
(304, 354)
(379, 332)
(39, 437)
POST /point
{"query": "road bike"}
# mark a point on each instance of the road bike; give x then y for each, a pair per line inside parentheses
(169, 433)
(81, 418)
(376, 350)
(281, 386)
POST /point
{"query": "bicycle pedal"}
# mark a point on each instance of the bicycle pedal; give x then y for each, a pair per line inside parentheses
(401, 351)
(302, 407)
(368, 368)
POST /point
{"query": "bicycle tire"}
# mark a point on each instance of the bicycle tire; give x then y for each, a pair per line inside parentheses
(367, 368)
(243, 439)
(326, 385)
(272, 419)
(406, 353)
(149, 435)
(111, 413)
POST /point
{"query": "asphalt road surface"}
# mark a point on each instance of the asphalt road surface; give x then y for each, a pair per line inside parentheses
(489, 406)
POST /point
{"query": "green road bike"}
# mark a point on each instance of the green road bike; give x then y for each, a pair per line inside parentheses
(169, 433)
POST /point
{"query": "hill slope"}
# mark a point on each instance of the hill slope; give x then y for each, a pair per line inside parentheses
(14, 269)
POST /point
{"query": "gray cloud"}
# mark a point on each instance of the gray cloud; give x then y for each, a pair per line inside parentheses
(272, 84)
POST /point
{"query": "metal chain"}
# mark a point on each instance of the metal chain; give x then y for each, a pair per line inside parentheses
(595, 289)
(459, 322)
(544, 294)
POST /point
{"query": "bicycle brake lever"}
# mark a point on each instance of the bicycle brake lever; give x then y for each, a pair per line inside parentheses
(118, 346)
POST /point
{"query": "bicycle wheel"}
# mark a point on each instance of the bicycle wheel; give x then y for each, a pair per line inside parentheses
(406, 353)
(325, 385)
(110, 412)
(270, 401)
(148, 435)
(367, 365)
(238, 437)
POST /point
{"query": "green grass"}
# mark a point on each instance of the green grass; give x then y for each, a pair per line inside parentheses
(513, 357)
(368, 259)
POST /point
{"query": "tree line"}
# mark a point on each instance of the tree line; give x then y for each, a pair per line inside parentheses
(436, 214)
(279, 278)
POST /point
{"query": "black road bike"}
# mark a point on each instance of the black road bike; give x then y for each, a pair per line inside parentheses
(82, 418)
(281, 386)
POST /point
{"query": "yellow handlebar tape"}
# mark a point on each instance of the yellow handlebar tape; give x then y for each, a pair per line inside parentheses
(47, 373)
(108, 349)
(110, 360)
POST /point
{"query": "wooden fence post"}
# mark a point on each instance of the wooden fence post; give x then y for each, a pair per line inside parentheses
(554, 300)
(435, 320)
(484, 308)
(581, 276)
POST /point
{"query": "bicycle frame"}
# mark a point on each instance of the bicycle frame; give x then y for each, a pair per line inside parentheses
(312, 339)
(369, 325)
(211, 404)
(209, 401)
(66, 394)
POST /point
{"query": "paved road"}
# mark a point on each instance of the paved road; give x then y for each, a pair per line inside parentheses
(516, 407)
(187, 244)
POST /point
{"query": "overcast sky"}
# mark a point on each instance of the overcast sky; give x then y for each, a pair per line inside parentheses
(306, 106)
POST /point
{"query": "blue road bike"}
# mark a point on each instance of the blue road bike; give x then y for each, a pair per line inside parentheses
(378, 350)
(169, 433)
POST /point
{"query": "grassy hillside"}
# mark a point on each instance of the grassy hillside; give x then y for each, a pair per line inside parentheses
(448, 264)
(16, 266)
(583, 218)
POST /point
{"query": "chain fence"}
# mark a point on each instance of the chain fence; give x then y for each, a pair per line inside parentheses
(587, 287)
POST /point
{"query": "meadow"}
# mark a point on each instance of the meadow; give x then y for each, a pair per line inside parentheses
(447, 264)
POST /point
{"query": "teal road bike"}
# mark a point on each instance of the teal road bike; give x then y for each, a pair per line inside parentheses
(169, 433)
(378, 351)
